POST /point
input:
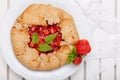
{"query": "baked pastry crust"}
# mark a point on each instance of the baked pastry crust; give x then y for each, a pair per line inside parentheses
(40, 14)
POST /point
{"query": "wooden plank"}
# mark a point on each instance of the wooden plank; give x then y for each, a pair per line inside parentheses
(79, 75)
(3, 68)
(109, 5)
(14, 3)
(3, 65)
(118, 69)
(107, 69)
(66, 79)
(89, 69)
(83, 3)
(108, 75)
(84, 72)
(118, 10)
(92, 69)
(14, 76)
(118, 59)
(3, 8)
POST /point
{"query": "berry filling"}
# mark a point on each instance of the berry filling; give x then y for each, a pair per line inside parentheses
(45, 39)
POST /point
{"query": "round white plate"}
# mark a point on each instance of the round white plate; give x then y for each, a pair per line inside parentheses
(58, 74)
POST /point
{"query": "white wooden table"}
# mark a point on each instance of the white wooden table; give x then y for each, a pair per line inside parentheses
(113, 6)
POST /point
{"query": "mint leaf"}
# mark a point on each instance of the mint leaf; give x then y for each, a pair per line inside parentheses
(72, 56)
(44, 47)
(35, 38)
(74, 50)
(50, 38)
(69, 60)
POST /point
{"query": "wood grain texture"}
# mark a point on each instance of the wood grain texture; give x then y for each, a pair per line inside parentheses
(3, 65)
(118, 59)
(118, 69)
(13, 3)
(3, 8)
(13, 75)
(92, 69)
(3, 68)
(118, 10)
(109, 5)
(108, 64)
(79, 75)
(107, 69)
(86, 70)
(66, 79)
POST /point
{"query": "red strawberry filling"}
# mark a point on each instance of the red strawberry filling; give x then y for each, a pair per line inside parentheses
(43, 32)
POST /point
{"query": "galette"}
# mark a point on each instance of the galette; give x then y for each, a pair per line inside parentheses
(43, 36)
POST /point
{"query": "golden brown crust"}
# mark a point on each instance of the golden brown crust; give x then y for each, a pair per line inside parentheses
(40, 14)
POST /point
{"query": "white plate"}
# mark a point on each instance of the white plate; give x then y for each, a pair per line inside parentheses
(61, 73)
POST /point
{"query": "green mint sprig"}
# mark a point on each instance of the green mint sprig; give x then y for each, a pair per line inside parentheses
(44, 47)
(50, 38)
(35, 38)
(72, 56)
